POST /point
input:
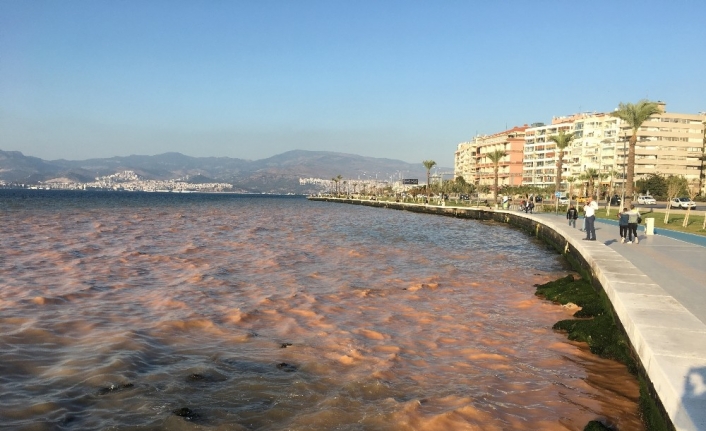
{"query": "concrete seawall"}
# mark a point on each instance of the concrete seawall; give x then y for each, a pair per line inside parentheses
(668, 341)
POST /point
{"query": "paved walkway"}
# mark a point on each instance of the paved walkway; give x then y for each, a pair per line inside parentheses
(658, 290)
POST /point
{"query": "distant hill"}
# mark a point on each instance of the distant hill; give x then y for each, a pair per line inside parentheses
(277, 174)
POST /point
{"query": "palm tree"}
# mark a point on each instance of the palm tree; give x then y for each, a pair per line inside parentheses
(495, 157)
(590, 176)
(562, 140)
(634, 115)
(428, 164)
(570, 181)
(612, 175)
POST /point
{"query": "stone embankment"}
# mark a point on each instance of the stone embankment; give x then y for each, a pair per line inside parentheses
(656, 298)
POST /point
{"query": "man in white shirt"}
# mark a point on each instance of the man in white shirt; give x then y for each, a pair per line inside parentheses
(590, 211)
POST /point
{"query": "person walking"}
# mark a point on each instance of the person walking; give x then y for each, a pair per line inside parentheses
(633, 219)
(590, 209)
(572, 214)
(623, 218)
(530, 205)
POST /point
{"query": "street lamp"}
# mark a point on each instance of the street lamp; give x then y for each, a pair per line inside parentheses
(622, 198)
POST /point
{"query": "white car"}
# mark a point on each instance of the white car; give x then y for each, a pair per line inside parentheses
(646, 200)
(563, 200)
(682, 203)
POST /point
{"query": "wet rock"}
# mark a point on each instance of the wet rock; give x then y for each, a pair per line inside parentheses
(285, 345)
(114, 388)
(596, 426)
(186, 413)
(289, 368)
(196, 377)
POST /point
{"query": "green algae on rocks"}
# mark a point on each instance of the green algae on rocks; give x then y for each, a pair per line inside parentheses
(594, 322)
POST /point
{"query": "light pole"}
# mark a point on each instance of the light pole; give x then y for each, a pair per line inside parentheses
(622, 198)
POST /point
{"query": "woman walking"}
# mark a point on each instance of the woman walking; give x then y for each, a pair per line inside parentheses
(623, 218)
(633, 219)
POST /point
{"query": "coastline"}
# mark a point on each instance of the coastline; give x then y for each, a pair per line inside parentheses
(655, 414)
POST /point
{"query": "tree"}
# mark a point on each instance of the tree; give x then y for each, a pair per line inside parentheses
(693, 191)
(674, 186)
(589, 176)
(495, 157)
(612, 175)
(562, 140)
(634, 115)
(656, 184)
(428, 164)
(336, 180)
(570, 181)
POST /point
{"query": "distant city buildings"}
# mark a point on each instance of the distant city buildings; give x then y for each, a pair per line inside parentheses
(667, 144)
(130, 181)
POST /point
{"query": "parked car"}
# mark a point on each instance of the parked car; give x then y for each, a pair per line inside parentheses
(615, 200)
(563, 200)
(646, 200)
(682, 203)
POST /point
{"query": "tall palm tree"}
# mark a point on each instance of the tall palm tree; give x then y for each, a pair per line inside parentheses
(495, 157)
(634, 115)
(428, 164)
(562, 140)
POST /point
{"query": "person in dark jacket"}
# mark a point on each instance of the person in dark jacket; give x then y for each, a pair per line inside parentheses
(572, 214)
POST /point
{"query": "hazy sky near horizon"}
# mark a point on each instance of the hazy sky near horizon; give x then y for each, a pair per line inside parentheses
(405, 80)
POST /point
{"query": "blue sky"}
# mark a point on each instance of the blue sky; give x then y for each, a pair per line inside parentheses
(406, 80)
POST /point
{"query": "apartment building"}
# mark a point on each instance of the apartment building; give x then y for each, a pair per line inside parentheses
(598, 146)
(511, 141)
(668, 144)
(540, 154)
(465, 161)
(472, 163)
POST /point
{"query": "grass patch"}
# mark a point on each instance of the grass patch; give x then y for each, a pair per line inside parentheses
(594, 323)
(651, 414)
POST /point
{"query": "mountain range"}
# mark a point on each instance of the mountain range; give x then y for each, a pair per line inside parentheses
(277, 174)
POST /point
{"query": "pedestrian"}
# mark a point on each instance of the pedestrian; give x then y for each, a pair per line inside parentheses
(523, 206)
(590, 209)
(633, 219)
(623, 218)
(572, 214)
(531, 206)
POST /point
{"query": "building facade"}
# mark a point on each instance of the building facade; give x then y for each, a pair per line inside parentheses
(465, 161)
(539, 163)
(669, 144)
(510, 141)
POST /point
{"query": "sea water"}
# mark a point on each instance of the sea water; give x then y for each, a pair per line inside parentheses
(151, 311)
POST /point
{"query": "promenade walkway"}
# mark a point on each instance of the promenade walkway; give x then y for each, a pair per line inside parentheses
(658, 291)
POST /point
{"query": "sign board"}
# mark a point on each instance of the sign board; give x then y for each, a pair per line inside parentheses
(410, 181)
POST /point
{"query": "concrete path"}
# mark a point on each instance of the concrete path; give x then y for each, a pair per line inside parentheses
(658, 290)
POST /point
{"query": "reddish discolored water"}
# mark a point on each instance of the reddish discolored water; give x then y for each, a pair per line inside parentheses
(216, 312)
